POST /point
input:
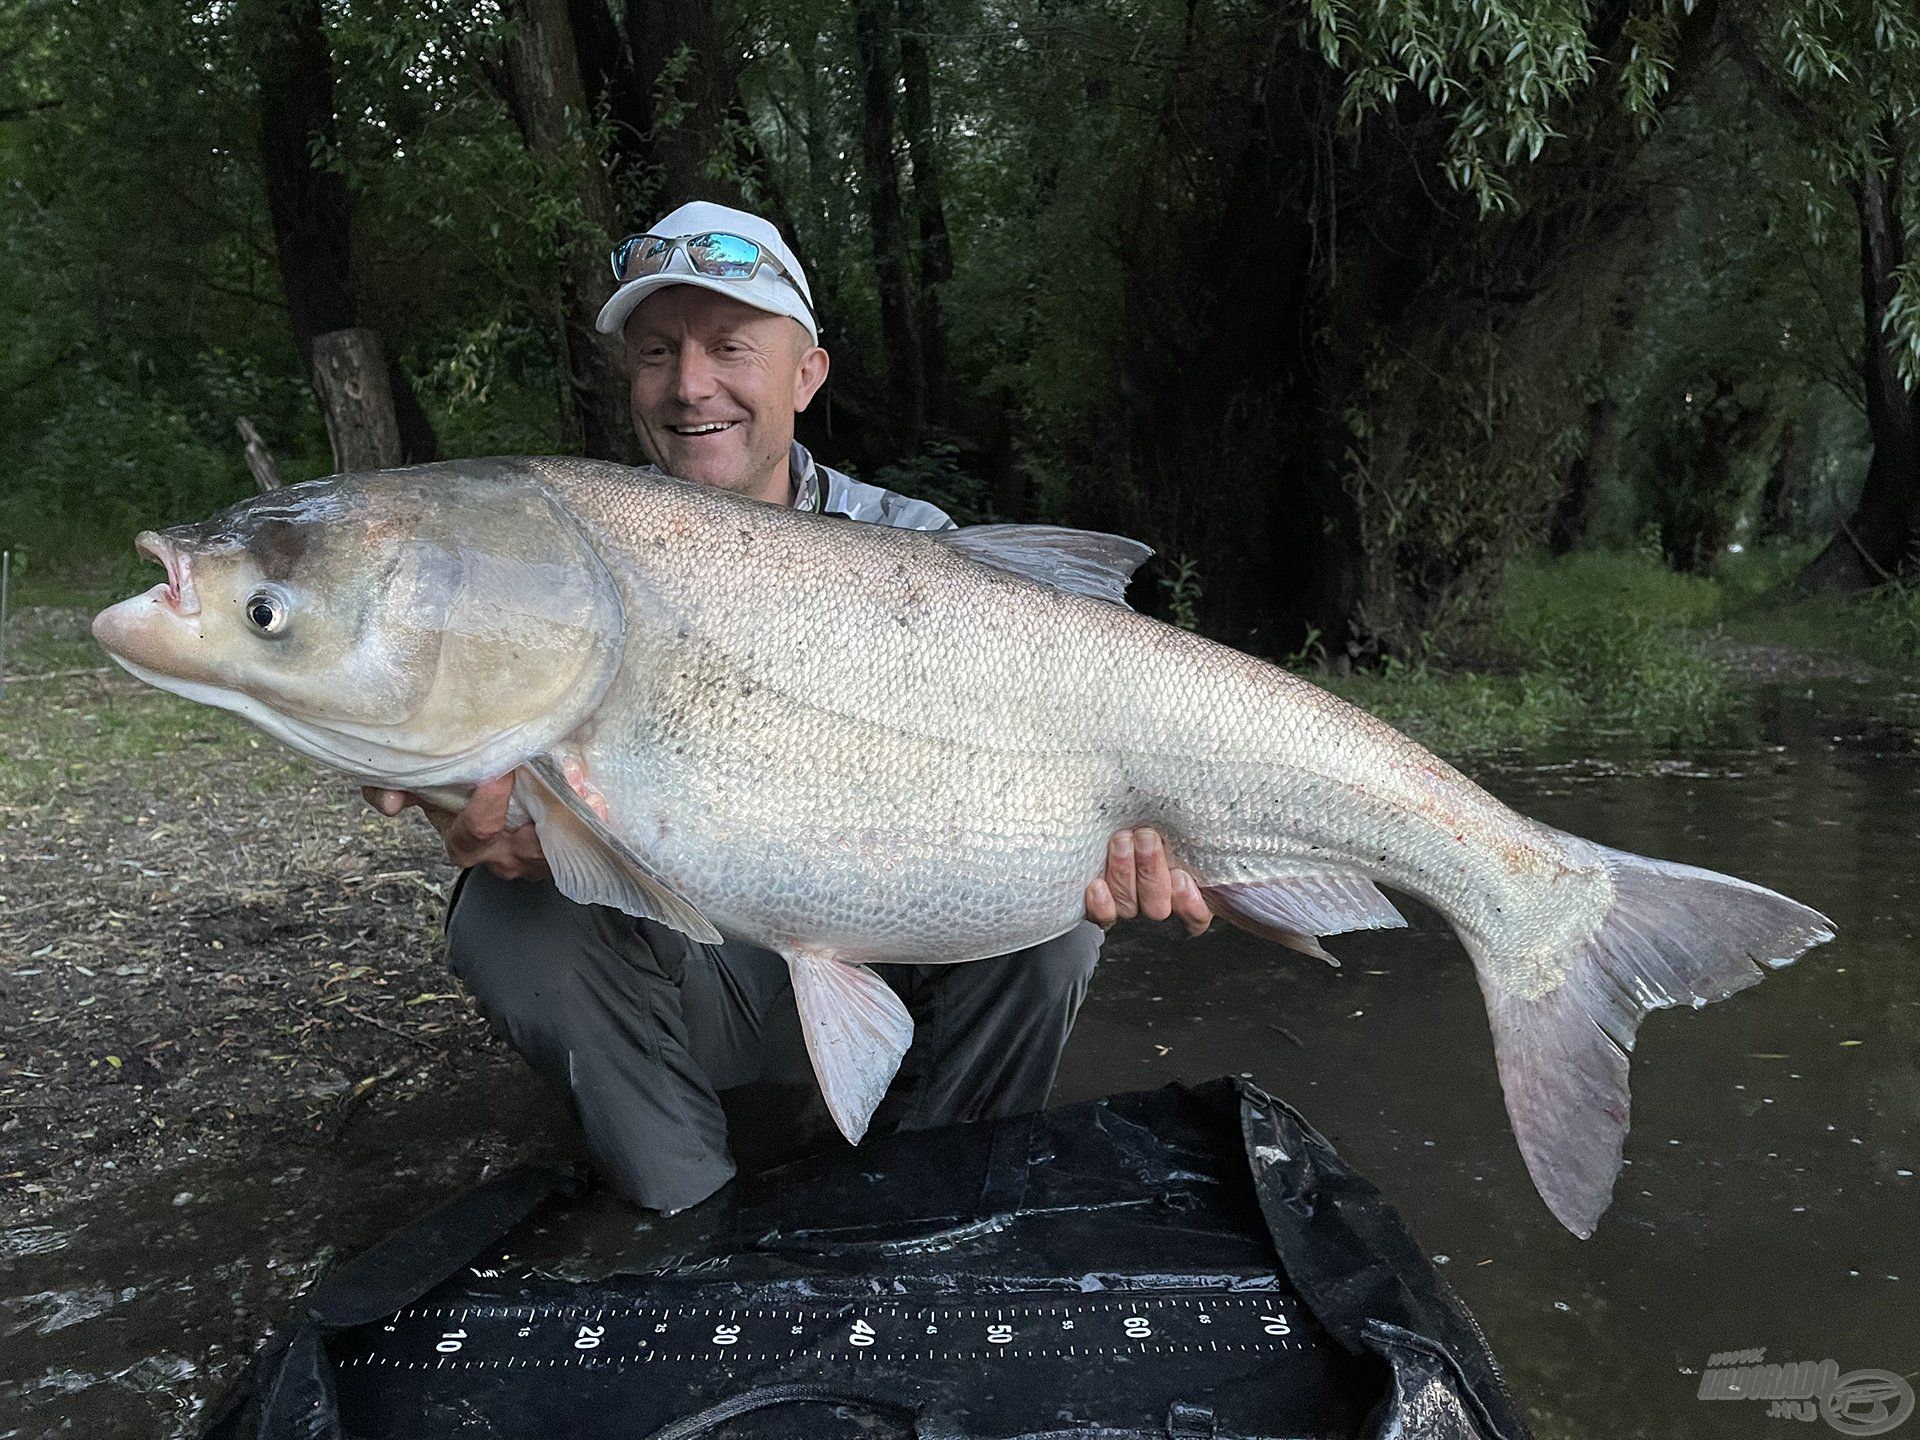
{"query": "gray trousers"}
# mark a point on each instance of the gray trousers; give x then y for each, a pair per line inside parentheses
(639, 1028)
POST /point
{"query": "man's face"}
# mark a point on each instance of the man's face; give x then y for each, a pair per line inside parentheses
(716, 384)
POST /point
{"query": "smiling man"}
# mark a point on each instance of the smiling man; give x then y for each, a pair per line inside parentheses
(639, 1027)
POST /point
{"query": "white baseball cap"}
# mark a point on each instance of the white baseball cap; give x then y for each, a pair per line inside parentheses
(766, 289)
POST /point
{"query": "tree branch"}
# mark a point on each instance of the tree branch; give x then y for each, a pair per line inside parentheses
(20, 112)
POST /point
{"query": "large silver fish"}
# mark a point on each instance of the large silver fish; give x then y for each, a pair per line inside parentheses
(850, 743)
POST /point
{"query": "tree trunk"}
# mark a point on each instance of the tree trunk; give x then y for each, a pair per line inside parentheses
(308, 203)
(692, 90)
(350, 375)
(1705, 461)
(879, 79)
(1577, 513)
(933, 252)
(549, 105)
(614, 90)
(1877, 542)
(678, 117)
(1783, 498)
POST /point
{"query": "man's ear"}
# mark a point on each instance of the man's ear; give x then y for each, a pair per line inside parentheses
(808, 376)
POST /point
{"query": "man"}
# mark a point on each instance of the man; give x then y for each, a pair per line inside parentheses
(637, 1025)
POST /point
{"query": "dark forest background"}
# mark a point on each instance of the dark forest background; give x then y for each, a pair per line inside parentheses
(1343, 307)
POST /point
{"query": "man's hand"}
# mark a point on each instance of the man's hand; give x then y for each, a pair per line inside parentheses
(1141, 881)
(479, 834)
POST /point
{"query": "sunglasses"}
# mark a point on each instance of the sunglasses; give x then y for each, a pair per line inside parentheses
(713, 253)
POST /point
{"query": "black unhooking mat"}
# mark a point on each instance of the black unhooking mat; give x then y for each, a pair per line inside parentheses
(1184, 1263)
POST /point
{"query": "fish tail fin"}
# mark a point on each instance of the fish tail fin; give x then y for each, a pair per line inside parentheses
(1673, 935)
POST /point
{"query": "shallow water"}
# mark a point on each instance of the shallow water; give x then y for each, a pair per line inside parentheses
(1769, 1201)
(1769, 1198)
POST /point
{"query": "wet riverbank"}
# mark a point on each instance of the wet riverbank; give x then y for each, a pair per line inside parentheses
(1770, 1200)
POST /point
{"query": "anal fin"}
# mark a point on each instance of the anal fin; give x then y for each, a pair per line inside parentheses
(1296, 910)
(591, 864)
(857, 1032)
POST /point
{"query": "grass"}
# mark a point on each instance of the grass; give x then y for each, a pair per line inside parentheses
(64, 726)
(1598, 642)
(1605, 644)
(1881, 628)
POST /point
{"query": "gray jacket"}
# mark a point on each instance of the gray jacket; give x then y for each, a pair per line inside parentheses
(821, 490)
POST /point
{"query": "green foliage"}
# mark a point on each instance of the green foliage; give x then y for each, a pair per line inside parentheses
(1733, 375)
(113, 461)
(1180, 592)
(1458, 449)
(936, 475)
(1849, 71)
(490, 390)
(1612, 629)
(1893, 623)
(1498, 68)
(1582, 645)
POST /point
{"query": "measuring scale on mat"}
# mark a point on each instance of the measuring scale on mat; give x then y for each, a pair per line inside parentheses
(1011, 1327)
(629, 1357)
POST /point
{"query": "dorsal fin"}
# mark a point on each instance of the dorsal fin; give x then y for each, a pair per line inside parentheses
(1084, 562)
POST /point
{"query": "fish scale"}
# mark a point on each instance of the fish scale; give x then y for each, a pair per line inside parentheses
(851, 743)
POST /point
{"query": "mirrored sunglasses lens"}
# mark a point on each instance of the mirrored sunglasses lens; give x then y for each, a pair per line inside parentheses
(727, 257)
(641, 255)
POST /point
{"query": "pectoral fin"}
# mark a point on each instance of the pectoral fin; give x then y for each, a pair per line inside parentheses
(1295, 910)
(593, 865)
(857, 1032)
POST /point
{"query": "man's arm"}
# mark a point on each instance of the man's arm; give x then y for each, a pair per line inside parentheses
(479, 834)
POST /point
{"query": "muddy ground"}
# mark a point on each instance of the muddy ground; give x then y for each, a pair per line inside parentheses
(207, 945)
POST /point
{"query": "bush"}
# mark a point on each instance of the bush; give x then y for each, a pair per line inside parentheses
(1611, 630)
(108, 465)
(935, 475)
(1595, 639)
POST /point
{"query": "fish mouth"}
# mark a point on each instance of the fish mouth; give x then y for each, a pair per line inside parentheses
(179, 594)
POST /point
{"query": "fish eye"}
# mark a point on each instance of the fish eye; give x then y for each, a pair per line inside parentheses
(268, 612)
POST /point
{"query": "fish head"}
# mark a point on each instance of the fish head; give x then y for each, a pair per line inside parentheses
(428, 626)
